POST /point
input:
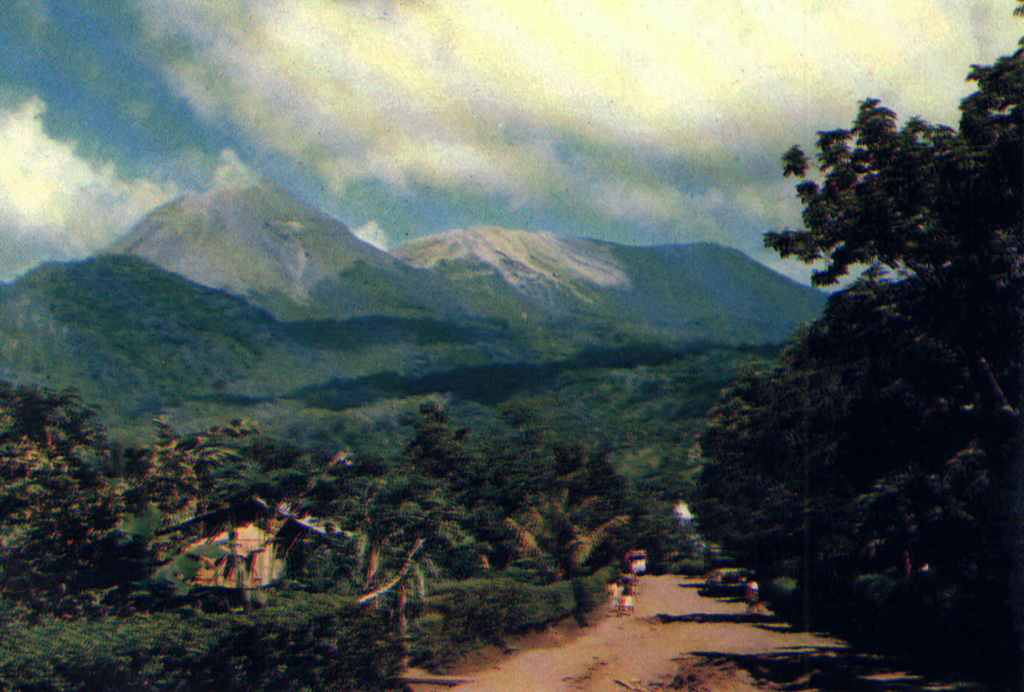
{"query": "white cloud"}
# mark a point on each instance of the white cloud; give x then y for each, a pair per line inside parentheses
(707, 214)
(775, 203)
(370, 232)
(231, 172)
(461, 94)
(56, 205)
(653, 203)
(651, 70)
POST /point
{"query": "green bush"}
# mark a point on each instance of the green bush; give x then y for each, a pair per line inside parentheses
(783, 594)
(689, 568)
(463, 615)
(299, 642)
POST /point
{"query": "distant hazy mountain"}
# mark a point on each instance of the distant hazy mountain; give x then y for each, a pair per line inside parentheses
(714, 291)
(220, 300)
(696, 291)
(534, 263)
(550, 292)
(279, 253)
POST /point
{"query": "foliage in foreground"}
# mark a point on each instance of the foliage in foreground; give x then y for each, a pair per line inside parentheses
(878, 465)
(298, 642)
(95, 584)
(464, 615)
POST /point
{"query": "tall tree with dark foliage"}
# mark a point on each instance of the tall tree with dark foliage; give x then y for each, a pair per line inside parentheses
(879, 464)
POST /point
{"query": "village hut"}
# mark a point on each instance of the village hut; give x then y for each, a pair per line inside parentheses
(243, 546)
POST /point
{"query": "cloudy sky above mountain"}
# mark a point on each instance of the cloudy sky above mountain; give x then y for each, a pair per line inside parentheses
(638, 122)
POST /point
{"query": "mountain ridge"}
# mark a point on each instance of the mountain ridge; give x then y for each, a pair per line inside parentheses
(286, 256)
(518, 256)
(278, 252)
(490, 312)
(198, 235)
(671, 291)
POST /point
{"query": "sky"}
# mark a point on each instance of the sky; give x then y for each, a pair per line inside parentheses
(637, 122)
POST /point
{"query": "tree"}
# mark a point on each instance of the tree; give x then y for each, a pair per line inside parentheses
(937, 209)
(888, 437)
(61, 548)
(404, 524)
(549, 531)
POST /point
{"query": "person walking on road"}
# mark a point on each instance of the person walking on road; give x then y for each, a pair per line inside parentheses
(752, 596)
(615, 591)
(628, 595)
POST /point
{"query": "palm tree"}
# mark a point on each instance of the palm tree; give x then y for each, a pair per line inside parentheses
(178, 468)
(549, 531)
(402, 524)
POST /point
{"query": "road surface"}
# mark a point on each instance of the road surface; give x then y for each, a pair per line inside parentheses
(678, 640)
(638, 651)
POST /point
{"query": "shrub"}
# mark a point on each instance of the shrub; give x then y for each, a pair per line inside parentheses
(463, 615)
(689, 568)
(783, 593)
(299, 642)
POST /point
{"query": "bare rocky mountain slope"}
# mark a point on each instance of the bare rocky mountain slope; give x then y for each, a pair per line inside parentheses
(281, 254)
(286, 256)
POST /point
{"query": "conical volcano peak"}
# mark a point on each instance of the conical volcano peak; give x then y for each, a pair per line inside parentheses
(248, 240)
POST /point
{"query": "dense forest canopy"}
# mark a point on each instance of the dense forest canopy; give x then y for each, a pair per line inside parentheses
(879, 465)
(454, 542)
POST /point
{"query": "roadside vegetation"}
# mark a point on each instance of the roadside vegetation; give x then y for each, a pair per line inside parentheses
(873, 476)
(450, 544)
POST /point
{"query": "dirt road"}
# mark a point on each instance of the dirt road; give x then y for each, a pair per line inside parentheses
(619, 652)
(682, 641)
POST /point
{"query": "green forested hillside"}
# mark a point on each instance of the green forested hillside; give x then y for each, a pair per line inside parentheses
(122, 329)
(641, 406)
(139, 342)
(706, 289)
